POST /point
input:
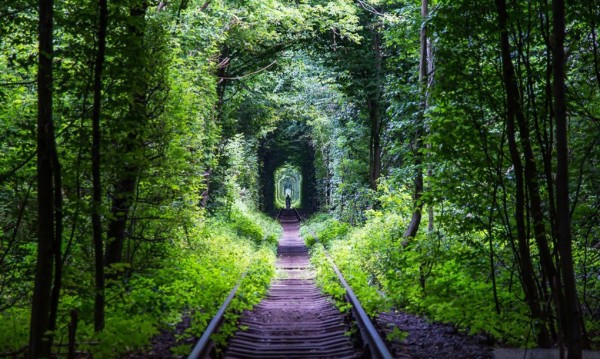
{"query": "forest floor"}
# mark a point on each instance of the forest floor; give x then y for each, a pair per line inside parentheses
(425, 340)
(168, 338)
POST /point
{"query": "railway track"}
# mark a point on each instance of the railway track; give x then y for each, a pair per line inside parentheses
(296, 320)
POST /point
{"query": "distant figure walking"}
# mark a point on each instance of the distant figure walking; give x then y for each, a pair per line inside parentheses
(288, 202)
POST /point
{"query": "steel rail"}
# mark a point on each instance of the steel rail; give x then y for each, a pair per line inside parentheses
(375, 343)
(204, 345)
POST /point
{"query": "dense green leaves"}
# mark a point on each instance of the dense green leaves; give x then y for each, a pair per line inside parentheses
(204, 102)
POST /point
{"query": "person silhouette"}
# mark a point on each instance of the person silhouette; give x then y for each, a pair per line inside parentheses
(288, 201)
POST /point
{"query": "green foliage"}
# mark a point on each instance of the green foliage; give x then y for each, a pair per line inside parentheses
(123, 334)
(253, 225)
(200, 267)
(241, 172)
(287, 178)
(201, 99)
(397, 335)
(14, 329)
(244, 226)
(442, 277)
(252, 289)
(326, 229)
(326, 278)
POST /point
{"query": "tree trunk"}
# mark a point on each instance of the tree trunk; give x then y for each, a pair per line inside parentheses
(571, 326)
(375, 141)
(222, 66)
(58, 234)
(535, 202)
(490, 230)
(97, 186)
(374, 107)
(328, 175)
(415, 221)
(512, 107)
(531, 180)
(121, 204)
(40, 337)
(592, 7)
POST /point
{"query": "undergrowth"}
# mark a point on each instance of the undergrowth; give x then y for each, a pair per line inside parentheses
(199, 269)
(443, 277)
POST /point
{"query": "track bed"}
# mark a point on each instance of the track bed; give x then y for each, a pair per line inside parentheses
(295, 320)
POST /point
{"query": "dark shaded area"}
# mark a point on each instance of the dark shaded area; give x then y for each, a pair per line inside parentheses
(432, 340)
(289, 143)
(168, 338)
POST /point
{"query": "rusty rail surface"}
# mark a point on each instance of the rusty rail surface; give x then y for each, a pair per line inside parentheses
(368, 332)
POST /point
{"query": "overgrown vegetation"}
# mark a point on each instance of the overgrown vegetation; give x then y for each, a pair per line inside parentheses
(452, 144)
(443, 277)
(198, 268)
(446, 136)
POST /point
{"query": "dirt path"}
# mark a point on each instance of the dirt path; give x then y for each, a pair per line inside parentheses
(295, 320)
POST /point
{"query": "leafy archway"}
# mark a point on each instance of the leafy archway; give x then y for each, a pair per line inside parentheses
(289, 145)
(288, 182)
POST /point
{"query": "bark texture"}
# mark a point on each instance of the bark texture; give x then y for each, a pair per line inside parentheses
(413, 226)
(572, 315)
(512, 110)
(96, 179)
(43, 316)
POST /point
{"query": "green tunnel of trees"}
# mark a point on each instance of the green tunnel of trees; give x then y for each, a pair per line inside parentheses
(288, 184)
(288, 145)
(451, 150)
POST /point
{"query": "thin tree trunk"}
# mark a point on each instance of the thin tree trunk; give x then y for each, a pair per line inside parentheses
(222, 67)
(430, 80)
(96, 181)
(121, 204)
(490, 227)
(415, 221)
(512, 107)
(571, 326)
(591, 7)
(541, 132)
(40, 337)
(531, 180)
(374, 106)
(525, 261)
(58, 234)
(535, 202)
(375, 141)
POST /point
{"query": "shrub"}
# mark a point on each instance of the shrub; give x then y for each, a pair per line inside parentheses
(198, 268)
(443, 277)
(254, 225)
(14, 329)
(326, 228)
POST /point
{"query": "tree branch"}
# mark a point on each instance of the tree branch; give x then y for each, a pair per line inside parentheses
(249, 74)
(17, 83)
